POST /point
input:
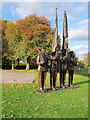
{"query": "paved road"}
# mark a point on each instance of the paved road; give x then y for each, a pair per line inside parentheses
(16, 77)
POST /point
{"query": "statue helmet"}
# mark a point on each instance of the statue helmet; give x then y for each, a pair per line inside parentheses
(54, 49)
(43, 47)
(71, 52)
(63, 50)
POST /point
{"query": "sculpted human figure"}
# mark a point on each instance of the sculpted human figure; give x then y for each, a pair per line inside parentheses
(53, 69)
(71, 63)
(42, 62)
(63, 67)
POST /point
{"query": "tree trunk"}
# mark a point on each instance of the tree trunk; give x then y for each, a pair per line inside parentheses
(27, 66)
(18, 61)
(28, 63)
(13, 62)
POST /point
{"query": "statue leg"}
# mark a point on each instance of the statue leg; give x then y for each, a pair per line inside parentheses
(64, 77)
(72, 77)
(40, 80)
(61, 79)
(69, 78)
(55, 79)
(50, 79)
(44, 81)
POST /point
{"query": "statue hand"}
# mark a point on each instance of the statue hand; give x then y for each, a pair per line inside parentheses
(51, 57)
(77, 64)
(65, 57)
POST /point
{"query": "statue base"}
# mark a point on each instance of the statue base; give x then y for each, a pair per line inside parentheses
(58, 89)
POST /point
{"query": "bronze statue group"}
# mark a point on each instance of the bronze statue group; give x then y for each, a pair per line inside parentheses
(59, 63)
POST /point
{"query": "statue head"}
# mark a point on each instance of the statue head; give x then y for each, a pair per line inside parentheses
(71, 53)
(54, 49)
(43, 49)
(63, 51)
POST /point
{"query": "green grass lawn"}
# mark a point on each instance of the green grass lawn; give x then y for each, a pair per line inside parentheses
(82, 72)
(21, 100)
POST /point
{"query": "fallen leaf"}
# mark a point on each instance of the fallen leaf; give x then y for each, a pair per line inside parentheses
(27, 102)
(9, 102)
(71, 104)
(86, 105)
(64, 105)
(60, 95)
(11, 115)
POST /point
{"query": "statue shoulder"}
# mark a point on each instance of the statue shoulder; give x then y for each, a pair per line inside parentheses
(39, 56)
(46, 56)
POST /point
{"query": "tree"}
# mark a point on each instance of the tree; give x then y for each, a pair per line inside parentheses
(85, 60)
(34, 31)
(11, 39)
(4, 43)
(81, 63)
(22, 37)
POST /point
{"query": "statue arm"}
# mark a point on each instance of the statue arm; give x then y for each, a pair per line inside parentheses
(49, 57)
(56, 56)
(38, 62)
(53, 58)
(65, 57)
(61, 58)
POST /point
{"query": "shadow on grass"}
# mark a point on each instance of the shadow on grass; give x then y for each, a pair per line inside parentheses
(57, 89)
(87, 75)
(82, 82)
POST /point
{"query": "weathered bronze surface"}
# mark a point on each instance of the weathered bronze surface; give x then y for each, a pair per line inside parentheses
(53, 70)
(54, 43)
(66, 62)
(42, 62)
(63, 68)
(71, 63)
(54, 58)
(63, 56)
(65, 32)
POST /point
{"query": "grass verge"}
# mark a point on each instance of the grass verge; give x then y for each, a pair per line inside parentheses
(21, 100)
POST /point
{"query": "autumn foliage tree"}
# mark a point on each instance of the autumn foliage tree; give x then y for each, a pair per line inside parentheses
(25, 34)
(6, 62)
(11, 38)
(85, 60)
(34, 31)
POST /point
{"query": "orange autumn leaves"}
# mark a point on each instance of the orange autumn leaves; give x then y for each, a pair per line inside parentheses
(66, 105)
(33, 26)
(23, 34)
